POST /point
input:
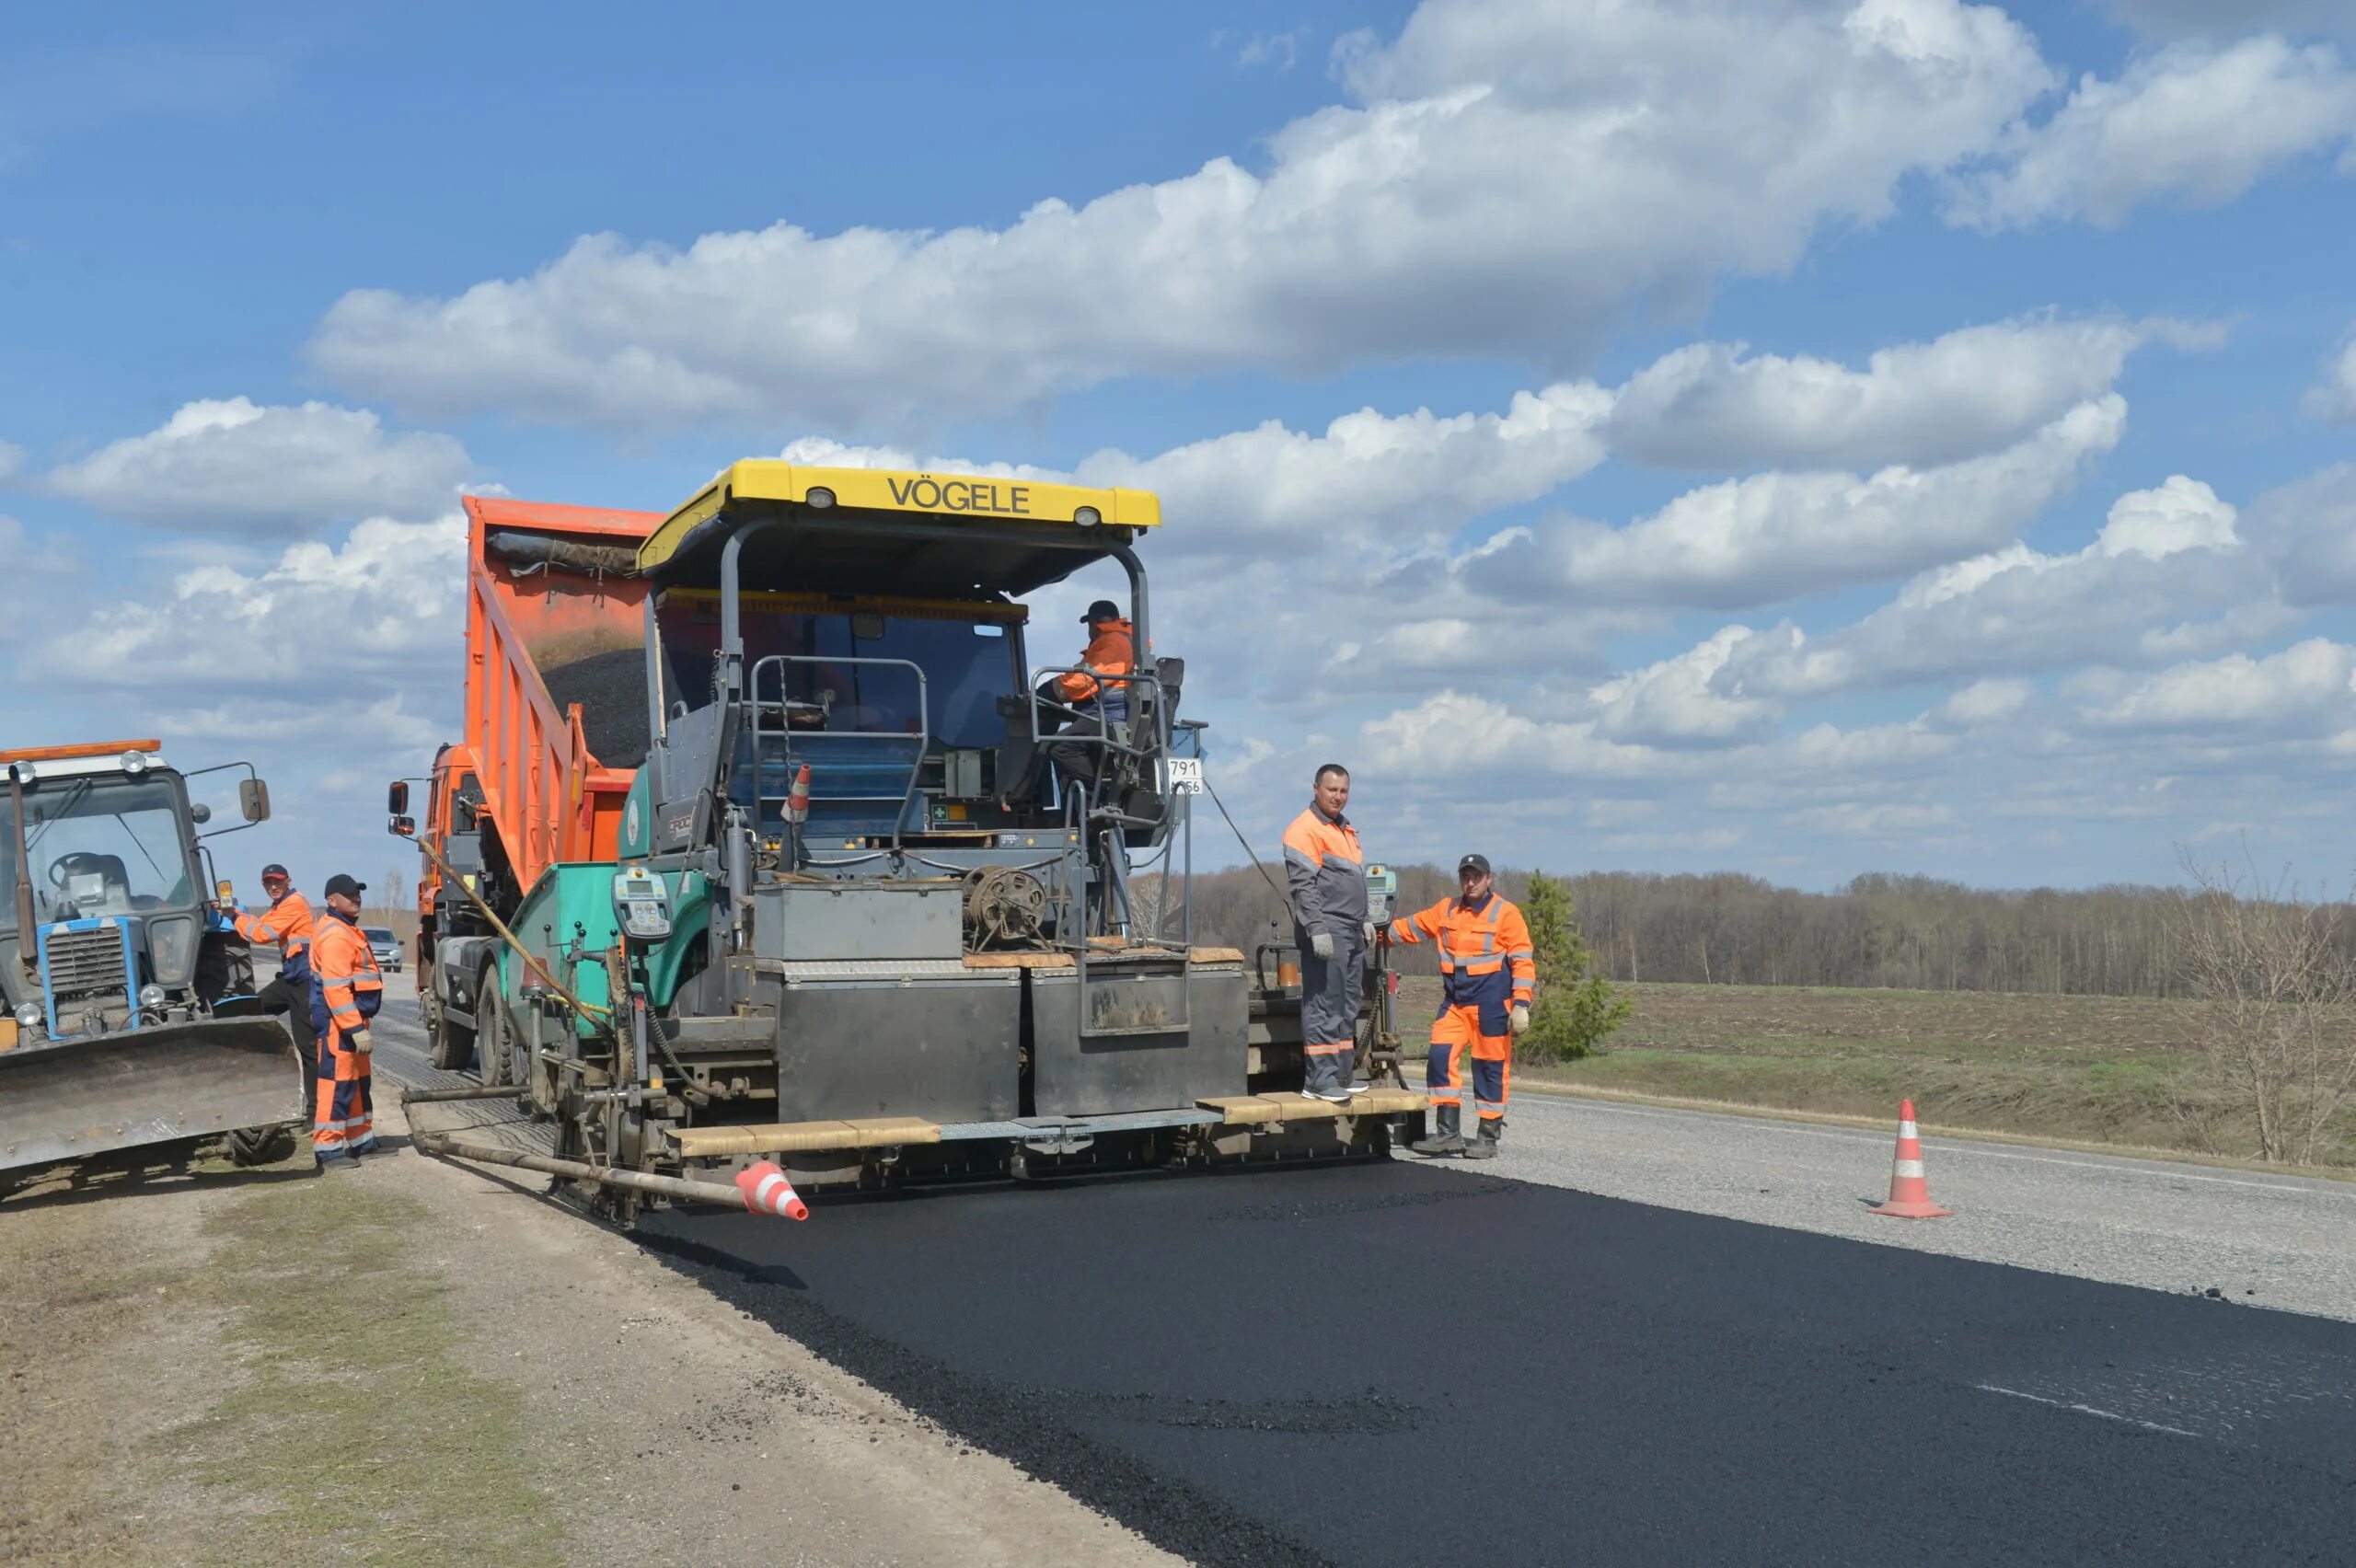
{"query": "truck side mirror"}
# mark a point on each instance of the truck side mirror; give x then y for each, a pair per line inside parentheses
(405, 826)
(253, 799)
(397, 798)
(199, 812)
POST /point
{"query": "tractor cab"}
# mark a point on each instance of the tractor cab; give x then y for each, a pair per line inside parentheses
(130, 1016)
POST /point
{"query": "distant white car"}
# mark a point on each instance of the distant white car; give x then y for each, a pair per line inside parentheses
(386, 946)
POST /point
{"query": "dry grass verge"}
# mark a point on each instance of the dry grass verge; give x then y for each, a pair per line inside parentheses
(2093, 1070)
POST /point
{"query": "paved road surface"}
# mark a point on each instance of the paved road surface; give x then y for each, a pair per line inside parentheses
(1337, 1365)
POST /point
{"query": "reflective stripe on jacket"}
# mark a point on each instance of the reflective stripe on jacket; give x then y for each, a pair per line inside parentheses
(1327, 873)
(1111, 650)
(1484, 949)
(291, 924)
(346, 988)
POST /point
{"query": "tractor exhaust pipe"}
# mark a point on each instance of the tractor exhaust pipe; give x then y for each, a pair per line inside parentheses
(636, 1180)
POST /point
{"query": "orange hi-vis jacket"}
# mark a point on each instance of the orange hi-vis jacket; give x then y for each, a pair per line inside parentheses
(291, 924)
(1112, 652)
(1484, 949)
(1326, 871)
(346, 986)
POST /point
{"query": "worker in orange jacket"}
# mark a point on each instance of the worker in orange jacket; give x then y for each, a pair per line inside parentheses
(288, 924)
(1325, 872)
(346, 990)
(1095, 693)
(1488, 968)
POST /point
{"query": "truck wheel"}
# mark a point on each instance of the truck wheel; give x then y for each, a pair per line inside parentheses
(448, 1046)
(261, 1146)
(493, 1040)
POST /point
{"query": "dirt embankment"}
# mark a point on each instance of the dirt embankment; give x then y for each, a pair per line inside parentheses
(413, 1363)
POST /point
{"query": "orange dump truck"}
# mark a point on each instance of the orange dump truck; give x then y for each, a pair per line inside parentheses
(556, 724)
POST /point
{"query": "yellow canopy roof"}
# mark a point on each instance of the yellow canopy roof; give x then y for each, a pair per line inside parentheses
(766, 485)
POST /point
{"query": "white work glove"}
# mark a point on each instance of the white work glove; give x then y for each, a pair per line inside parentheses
(1370, 933)
(359, 1041)
(1519, 1020)
(1322, 943)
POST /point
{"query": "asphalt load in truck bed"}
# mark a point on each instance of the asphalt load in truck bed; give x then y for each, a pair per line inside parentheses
(611, 690)
(1396, 1364)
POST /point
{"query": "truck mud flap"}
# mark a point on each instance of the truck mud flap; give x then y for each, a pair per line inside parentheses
(69, 1099)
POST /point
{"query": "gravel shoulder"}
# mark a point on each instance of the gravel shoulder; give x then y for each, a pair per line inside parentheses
(414, 1362)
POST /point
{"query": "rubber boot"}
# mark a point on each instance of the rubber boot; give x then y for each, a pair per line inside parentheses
(1484, 1146)
(1448, 1138)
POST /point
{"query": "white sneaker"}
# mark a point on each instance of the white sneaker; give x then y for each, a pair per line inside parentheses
(1341, 1096)
(1360, 1088)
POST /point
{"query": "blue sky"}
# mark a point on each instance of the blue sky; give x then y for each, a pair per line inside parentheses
(1902, 434)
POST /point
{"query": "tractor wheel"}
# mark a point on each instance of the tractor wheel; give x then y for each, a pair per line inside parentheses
(261, 1146)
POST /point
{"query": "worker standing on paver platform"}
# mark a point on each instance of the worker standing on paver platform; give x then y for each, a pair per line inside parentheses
(288, 922)
(345, 992)
(1327, 873)
(1488, 968)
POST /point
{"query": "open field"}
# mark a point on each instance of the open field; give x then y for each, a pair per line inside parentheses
(2099, 1070)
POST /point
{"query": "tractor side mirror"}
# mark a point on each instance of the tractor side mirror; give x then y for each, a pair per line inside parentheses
(199, 812)
(253, 799)
(397, 798)
(405, 826)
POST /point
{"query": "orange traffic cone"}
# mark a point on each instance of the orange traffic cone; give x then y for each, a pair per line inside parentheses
(766, 1191)
(1910, 1190)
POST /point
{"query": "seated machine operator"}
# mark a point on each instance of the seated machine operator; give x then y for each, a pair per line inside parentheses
(1095, 693)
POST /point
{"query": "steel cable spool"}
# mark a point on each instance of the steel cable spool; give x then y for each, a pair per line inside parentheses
(1003, 907)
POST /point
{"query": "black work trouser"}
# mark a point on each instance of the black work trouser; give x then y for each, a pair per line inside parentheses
(281, 995)
(1076, 756)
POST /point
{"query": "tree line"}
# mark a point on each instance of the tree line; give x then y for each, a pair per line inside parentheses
(1910, 933)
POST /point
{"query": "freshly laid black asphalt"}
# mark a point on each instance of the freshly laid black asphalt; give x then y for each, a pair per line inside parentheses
(1397, 1364)
(1405, 1364)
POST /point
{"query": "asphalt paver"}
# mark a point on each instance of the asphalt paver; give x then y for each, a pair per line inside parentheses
(1390, 1362)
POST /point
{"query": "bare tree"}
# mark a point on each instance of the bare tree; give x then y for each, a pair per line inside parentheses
(2276, 1028)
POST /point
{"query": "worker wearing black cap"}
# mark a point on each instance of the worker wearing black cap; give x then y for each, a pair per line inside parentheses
(1095, 693)
(1488, 969)
(345, 992)
(288, 922)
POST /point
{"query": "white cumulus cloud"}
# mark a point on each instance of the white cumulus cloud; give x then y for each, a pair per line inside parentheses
(1973, 391)
(2309, 688)
(1368, 480)
(233, 464)
(1675, 703)
(1779, 536)
(1507, 178)
(1984, 703)
(2167, 576)
(2335, 398)
(325, 625)
(2308, 530)
(2187, 124)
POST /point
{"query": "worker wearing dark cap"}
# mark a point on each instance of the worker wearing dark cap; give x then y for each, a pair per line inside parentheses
(1488, 968)
(289, 923)
(345, 992)
(1096, 694)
